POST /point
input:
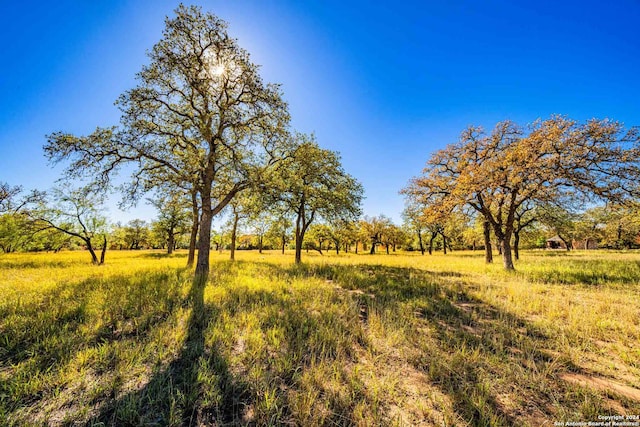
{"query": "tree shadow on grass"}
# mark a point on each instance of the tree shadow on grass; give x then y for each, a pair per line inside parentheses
(583, 277)
(468, 345)
(432, 297)
(44, 330)
(208, 380)
(20, 264)
(40, 337)
(250, 355)
(496, 367)
(502, 369)
(388, 284)
(163, 255)
(492, 365)
(173, 395)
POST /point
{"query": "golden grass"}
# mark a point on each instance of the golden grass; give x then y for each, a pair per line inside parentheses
(343, 339)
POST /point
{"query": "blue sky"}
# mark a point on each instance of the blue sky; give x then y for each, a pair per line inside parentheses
(383, 83)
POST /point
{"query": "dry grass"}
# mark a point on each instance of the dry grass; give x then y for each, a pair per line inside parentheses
(347, 340)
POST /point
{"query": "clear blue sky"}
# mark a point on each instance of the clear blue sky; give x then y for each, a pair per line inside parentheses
(384, 83)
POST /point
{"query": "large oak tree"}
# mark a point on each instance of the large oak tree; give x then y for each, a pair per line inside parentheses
(554, 161)
(200, 113)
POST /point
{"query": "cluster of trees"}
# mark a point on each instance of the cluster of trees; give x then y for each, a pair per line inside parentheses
(609, 226)
(201, 128)
(205, 137)
(513, 176)
(256, 223)
(50, 221)
(364, 235)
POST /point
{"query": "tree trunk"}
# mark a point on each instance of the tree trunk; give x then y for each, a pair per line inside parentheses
(94, 258)
(234, 231)
(208, 212)
(566, 243)
(516, 245)
(619, 243)
(444, 243)
(504, 240)
(300, 229)
(259, 244)
(104, 249)
(387, 247)
(506, 253)
(488, 252)
(284, 242)
(420, 242)
(298, 257)
(433, 237)
(204, 242)
(194, 229)
(356, 247)
(170, 242)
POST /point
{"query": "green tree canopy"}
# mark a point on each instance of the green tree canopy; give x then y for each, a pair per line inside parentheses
(555, 161)
(313, 185)
(200, 113)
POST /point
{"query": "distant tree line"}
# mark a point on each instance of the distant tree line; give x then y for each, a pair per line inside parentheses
(208, 142)
(251, 223)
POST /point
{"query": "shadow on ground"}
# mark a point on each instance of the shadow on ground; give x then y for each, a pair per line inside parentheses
(163, 255)
(496, 367)
(40, 337)
(244, 360)
(283, 355)
(173, 395)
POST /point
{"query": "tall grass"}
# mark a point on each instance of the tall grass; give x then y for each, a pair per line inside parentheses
(340, 340)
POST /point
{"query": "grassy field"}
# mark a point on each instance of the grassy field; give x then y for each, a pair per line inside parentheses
(341, 340)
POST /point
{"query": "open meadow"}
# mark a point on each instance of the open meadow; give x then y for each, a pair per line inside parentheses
(398, 339)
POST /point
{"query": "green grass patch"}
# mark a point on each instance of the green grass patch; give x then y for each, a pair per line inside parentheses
(339, 340)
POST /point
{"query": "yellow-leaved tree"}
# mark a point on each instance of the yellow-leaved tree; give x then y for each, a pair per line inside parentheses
(553, 161)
